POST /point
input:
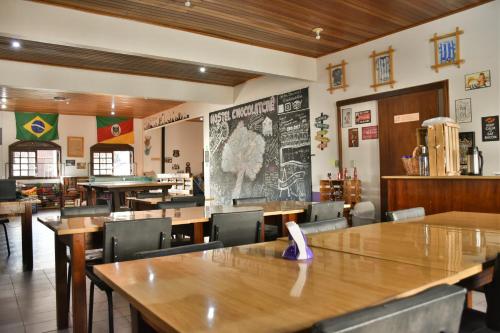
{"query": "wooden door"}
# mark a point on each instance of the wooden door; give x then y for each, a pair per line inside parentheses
(399, 117)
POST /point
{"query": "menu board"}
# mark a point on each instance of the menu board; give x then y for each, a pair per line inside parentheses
(261, 148)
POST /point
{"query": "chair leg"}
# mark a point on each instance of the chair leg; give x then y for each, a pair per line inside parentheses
(69, 283)
(109, 295)
(91, 307)
(6, 238)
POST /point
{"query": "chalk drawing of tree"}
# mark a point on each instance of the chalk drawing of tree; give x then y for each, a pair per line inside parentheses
(243, 155)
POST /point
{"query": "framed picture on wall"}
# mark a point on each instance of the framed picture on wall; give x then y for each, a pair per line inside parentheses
(353, 136)
(478, 80)
(363, 117)
(337, 76)
(463, 110)
(383, 68)
(346, 118)
(490, 128)
(75, 146)
(447, 49)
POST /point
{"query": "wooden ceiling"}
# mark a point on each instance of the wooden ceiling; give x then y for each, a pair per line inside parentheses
(28, 100)
(284, 25)
(76, 57)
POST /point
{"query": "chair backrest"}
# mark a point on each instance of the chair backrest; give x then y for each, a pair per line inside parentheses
(323, 226)
(180, 204)
(249, 201)
(146, 195)
(405, 214)
(179, 250)
(492, 293)
(123, 239)
(435, 310)
(199, 199)
(364, 209)
(100, 210)
(239, 228)
(327, 210)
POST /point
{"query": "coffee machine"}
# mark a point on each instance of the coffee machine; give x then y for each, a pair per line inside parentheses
(475, 162)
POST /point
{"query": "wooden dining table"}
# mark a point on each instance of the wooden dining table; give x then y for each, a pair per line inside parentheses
(22, 208)
(248, 287)
(73, 232)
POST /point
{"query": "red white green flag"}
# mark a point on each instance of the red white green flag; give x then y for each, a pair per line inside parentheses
(115, 130)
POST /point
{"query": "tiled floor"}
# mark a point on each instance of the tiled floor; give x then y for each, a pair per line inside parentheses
(27, 299)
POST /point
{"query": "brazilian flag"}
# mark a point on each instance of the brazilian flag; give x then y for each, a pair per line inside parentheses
(36, 126)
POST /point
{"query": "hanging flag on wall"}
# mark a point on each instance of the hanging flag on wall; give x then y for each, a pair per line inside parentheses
(115, 130)
(36, 126)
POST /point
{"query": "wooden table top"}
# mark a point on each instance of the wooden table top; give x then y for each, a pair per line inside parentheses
(16, 206)
(468, 220)
(74, 225)
(125, 184)
(451, 249)
(243, 288)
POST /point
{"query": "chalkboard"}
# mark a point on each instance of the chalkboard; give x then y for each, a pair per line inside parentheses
(255, 152)
(295, 146)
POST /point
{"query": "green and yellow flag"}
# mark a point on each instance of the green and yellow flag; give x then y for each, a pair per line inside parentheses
(36, 126)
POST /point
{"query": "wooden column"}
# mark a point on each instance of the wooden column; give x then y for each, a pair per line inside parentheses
(27, 236)
(163, 150)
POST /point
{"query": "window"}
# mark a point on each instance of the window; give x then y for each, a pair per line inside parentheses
(112, 160)
(32, 159)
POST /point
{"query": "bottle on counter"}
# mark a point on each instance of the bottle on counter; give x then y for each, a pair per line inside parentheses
(355, 173)
(423, 162)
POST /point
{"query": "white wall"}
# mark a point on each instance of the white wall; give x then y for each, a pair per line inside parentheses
(84, 126)
(366, 157)
(185, 136)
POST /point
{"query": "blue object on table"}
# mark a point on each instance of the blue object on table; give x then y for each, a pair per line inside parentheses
(298, 249)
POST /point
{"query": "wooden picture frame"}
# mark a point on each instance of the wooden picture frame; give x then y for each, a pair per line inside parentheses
(337, 76)
(383, 68)
(447, 50)
(75, 146)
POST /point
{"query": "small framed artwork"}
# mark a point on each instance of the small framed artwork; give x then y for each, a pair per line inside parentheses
(383, 68)
(466, 140)
(75, 146)
(81, 165)
(346, 118)
(71, 163)
(353, 137)
(363, 117)
(490, 128)
(463, 110)
(337, 76)
(447, 50)
(369, 132)
(478, 80)
(176, 153)
(168, 159)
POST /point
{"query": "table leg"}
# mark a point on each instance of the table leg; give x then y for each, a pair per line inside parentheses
(90, 200)
(198, 233)
(79, 283)
(62, 305)
(115, 201)
(138, 323)
(27, 237)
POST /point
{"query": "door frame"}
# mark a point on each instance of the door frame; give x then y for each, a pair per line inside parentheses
(375, 97)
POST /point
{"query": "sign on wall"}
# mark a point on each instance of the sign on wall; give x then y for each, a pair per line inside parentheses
(490, 128)
(256, 150)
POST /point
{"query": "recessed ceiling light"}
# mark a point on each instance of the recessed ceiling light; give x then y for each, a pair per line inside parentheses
(15, 44)
(187, 3)
(201, 118)
(4, 100)
(318, 31)
(203, 69)
(4, 106)
(112, 113)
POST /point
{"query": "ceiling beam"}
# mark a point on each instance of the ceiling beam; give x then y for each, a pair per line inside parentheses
(33, 76)
(53, 24)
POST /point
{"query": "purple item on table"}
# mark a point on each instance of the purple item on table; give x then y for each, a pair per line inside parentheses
(292, 251)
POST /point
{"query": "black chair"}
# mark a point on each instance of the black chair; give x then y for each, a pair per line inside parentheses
(82, 211)
(179, 250)
(121, 241)
(235, 229)
(271, 231)
(405, 214)
(249, 201)
(320, 211)
(147, 195)
(2, 222)
(479, 322)
(183, 229)
(435, 310)
(199, 199)
(323, 226)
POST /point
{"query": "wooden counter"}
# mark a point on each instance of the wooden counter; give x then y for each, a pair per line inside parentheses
(443, 193)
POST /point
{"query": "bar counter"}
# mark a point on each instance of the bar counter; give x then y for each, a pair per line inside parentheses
(438, 194)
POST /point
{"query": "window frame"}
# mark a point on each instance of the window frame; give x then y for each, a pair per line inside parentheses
(33, 146)
(110, 148)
